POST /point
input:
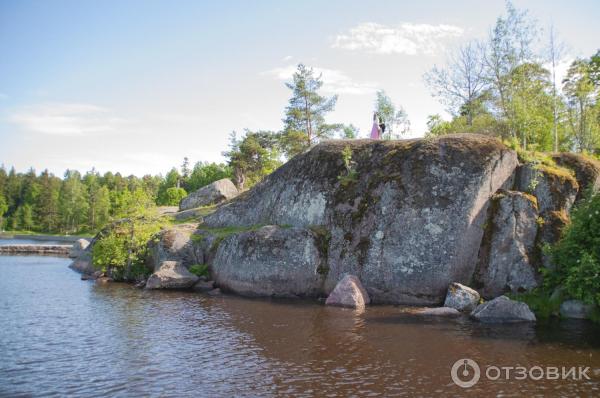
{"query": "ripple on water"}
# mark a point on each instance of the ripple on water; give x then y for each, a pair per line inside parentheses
(61, 336)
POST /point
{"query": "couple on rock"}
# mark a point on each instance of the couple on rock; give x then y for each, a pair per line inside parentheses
(378, 127)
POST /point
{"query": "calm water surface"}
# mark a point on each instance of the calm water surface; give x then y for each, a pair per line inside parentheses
(60, 336)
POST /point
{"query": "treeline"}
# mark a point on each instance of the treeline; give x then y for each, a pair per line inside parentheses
(507, 86)
(85, 203)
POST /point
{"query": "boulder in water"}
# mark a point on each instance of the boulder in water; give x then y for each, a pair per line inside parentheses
(503, 310)
(461, 297)
(349, 292)
(171, 275)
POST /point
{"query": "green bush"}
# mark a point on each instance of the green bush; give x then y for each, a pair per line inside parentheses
(577, 254)
(199, 270)
(173, 196)
(121, 250)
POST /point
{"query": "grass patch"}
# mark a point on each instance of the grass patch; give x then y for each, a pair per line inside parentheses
(199, 270)
(541, 301)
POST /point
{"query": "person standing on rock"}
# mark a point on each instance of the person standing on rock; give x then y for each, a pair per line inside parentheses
(376, 130)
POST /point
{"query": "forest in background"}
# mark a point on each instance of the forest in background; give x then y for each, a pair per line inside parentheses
(504, 85)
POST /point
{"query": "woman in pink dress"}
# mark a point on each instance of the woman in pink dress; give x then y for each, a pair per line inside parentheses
(376, 130)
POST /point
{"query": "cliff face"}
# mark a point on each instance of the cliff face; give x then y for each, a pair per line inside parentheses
(406, 217)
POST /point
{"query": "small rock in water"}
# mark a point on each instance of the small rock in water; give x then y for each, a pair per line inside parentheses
(503, 310)
(349, 292)
(171, 275)
(437, 311)
(461, 297)
(215, 292)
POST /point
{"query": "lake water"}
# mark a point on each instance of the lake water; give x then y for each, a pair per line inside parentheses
(60, 336)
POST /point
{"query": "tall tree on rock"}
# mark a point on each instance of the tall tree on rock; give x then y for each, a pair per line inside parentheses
(305, 114)
(395, 118)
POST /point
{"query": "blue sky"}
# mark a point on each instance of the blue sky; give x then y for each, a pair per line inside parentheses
(134, 86)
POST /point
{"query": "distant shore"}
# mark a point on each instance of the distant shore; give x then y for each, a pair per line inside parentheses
(42, 237)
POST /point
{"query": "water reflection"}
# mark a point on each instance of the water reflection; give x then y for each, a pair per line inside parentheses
(63, 336)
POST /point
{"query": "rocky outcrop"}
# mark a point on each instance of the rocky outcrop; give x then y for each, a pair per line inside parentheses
(383, 216)
(349, 292)
(575, 309)
(461, 298)
(506, 262)
(503, 310)
(175, 244)
(587, 170)
(212, 194)
(78, 247)
(270, 261)
(171, 275)
(555, 189)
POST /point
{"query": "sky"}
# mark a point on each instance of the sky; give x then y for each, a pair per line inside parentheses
(135, 86)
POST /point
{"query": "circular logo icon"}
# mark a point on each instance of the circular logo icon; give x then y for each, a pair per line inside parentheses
(465, 373)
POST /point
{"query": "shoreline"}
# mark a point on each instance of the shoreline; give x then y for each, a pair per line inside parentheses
(41, 237)
(44, 250)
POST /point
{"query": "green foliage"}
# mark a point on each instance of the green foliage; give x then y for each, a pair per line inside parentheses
(253, 157)
(174, 195)
(395, 119)
(502, 88)
(172, 180)
(577, 254)
(199, 270)
(350, 131)
(351, 174)
(544, 303)
(305, 114)
(122, 249)
(3, 210)
(206, 173)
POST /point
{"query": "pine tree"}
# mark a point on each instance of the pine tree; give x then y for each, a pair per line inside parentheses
(305, 114)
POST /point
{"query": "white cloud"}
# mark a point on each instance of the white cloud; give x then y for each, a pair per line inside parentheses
(406, 38)
(287, 58)
(67, 119)
(334, 81)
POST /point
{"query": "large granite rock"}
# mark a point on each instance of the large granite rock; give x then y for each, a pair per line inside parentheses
(506, 256)
(461, 298)
(83, 264)
(78, 247)
(212, 194)
(270, 261)
(554, 188)
(175, 244)
(382, 218)
(171, 275)
(503, 310)
(587, 170)
(349, 292)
